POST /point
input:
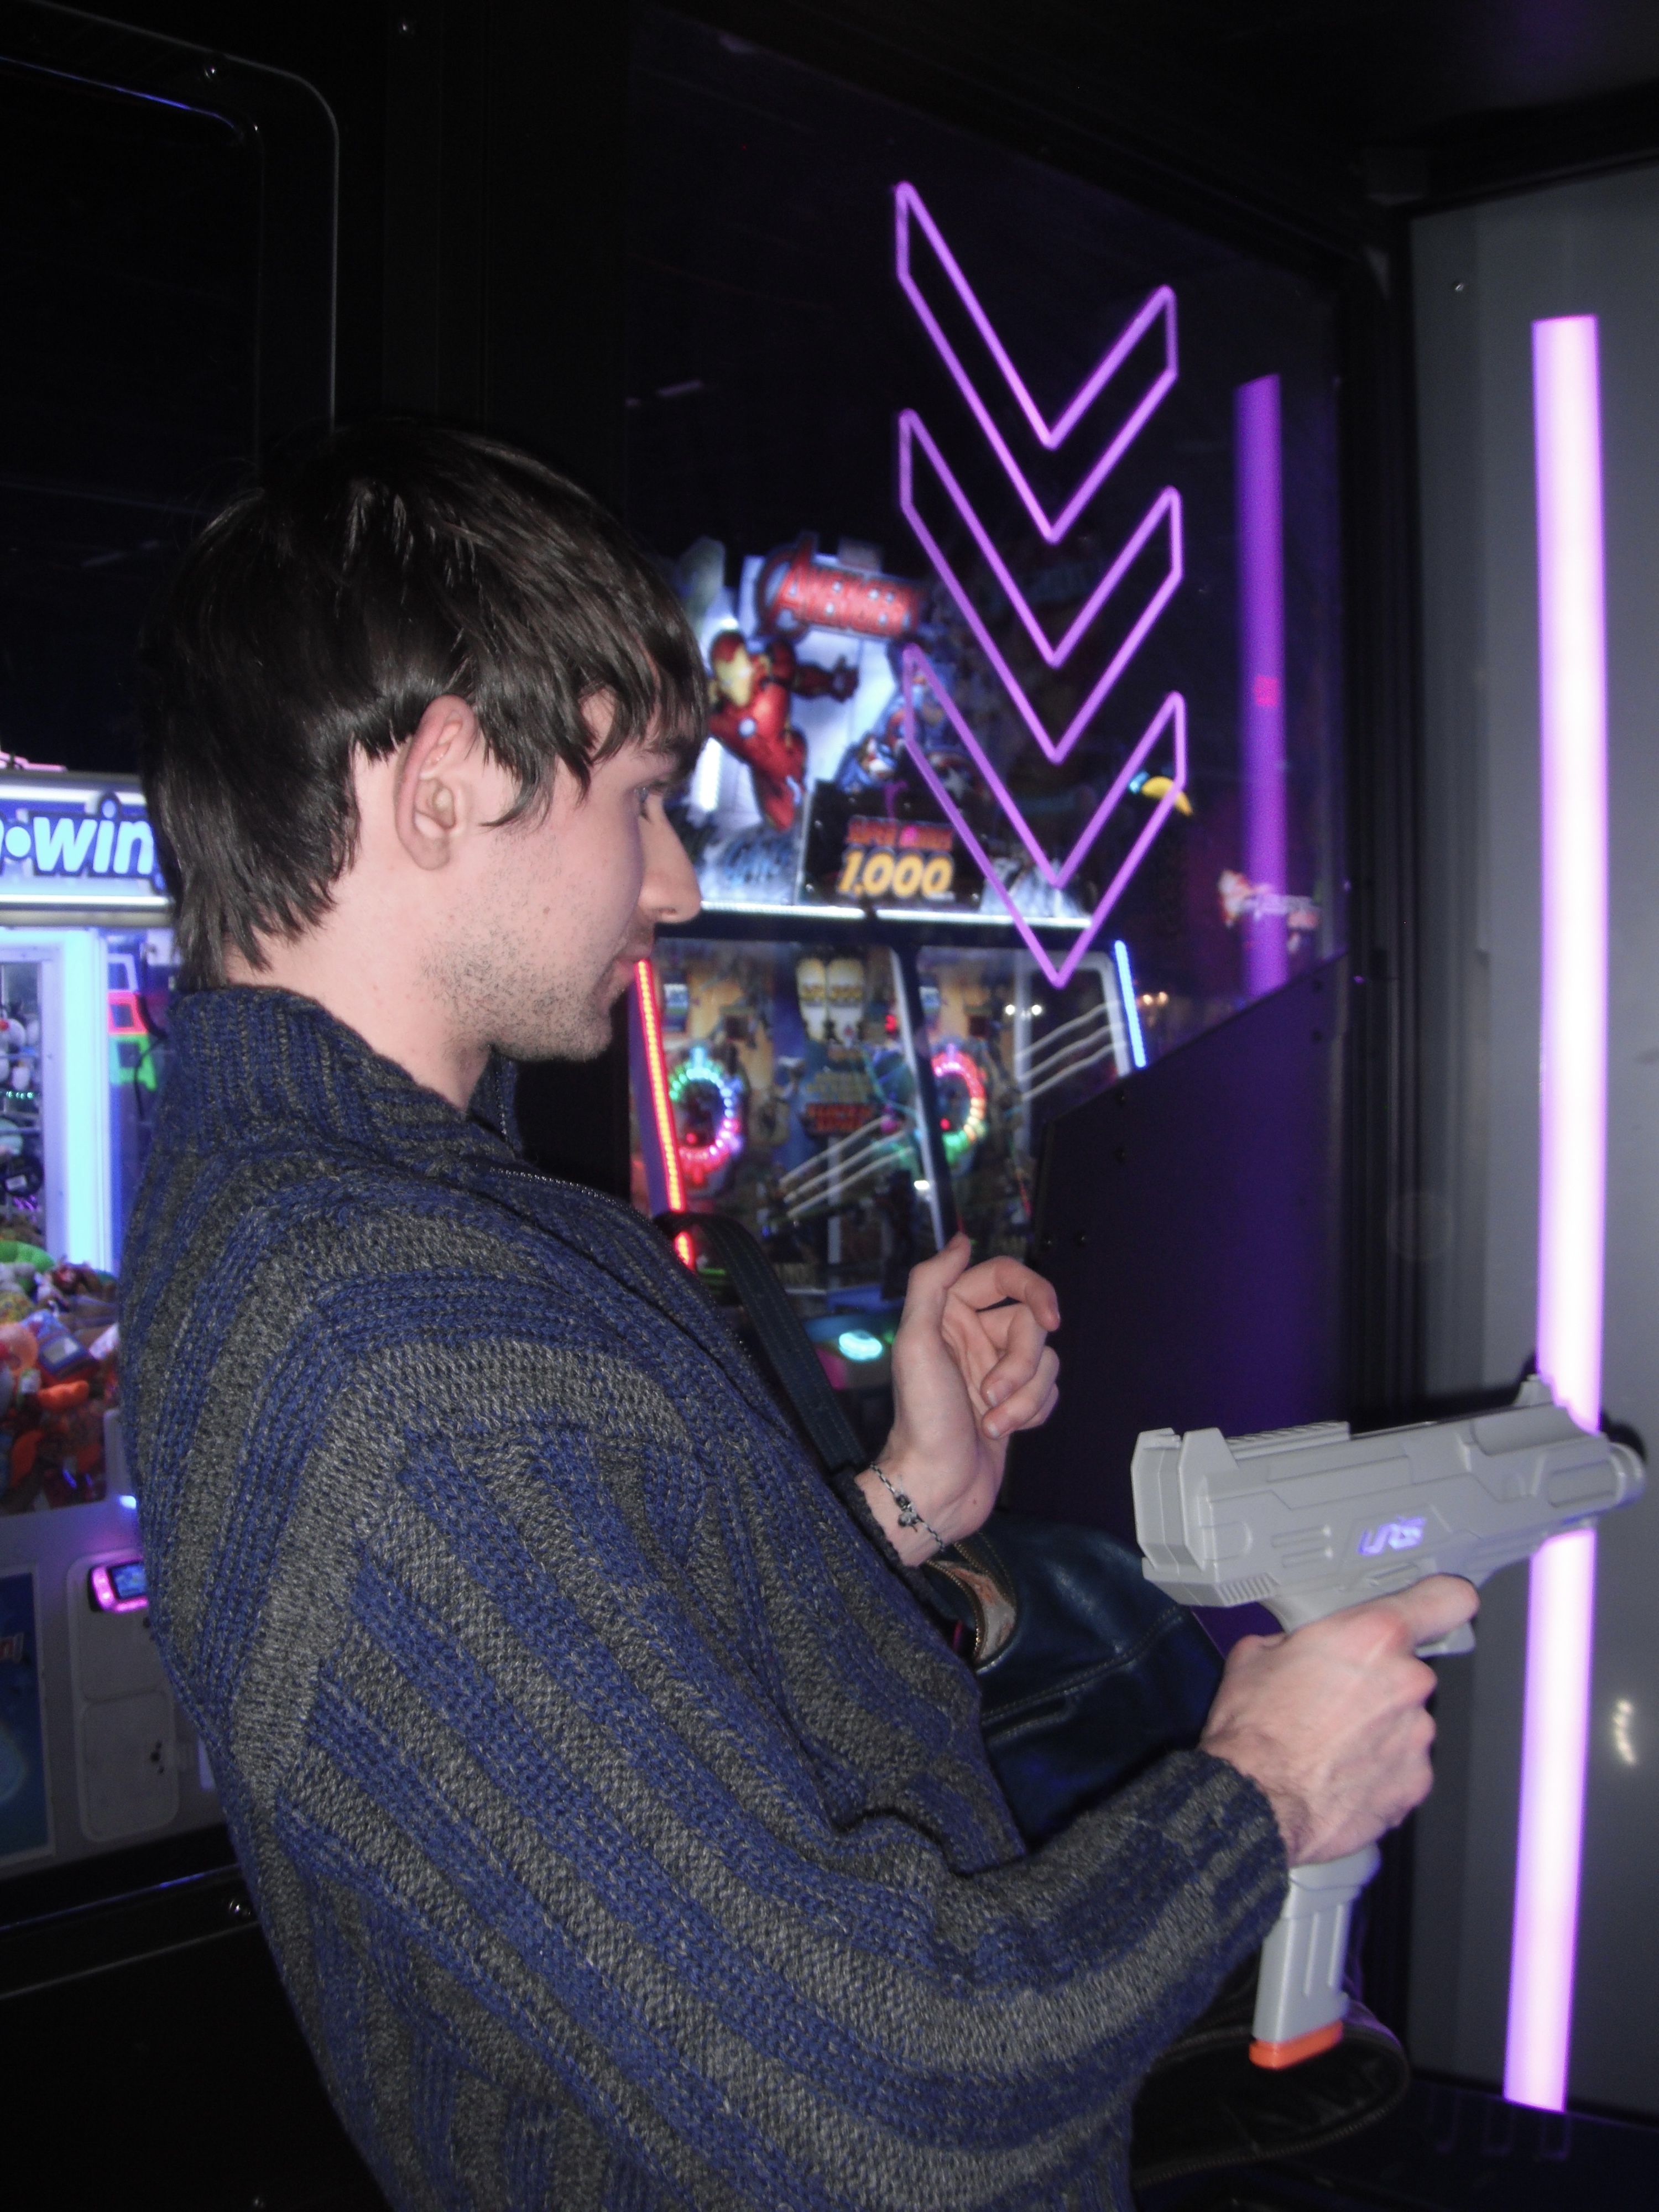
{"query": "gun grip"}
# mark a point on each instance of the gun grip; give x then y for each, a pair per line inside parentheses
(1299, 1998)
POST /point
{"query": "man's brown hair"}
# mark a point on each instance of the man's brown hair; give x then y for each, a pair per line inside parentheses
(320, 614)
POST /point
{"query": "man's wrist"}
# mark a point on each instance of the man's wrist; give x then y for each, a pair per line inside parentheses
(910, 1521)
(1255, 1762)
(918, 1526)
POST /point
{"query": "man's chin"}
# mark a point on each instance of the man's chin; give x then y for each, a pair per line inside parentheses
(573, 1034)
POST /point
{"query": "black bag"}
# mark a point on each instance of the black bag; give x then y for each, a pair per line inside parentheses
(1088, 1673)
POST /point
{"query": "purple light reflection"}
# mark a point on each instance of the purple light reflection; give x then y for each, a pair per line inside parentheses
(1261, 667)
(1572, 1183)
(1161, 304)
(1172, 713)
(1164, 514)
(1164, 511)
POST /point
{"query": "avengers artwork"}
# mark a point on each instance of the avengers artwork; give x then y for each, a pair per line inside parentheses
(804, 794)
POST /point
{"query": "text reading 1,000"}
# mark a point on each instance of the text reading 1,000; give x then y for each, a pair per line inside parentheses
(876, 873)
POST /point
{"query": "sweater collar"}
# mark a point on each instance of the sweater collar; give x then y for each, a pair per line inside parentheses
(247, 1057)
(265, 1066)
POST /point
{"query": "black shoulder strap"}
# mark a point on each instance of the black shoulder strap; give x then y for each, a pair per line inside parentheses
(786, 1343)
(968, 1582)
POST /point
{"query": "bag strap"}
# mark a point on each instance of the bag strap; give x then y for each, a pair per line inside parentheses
(794, 1361)
(968, 1581)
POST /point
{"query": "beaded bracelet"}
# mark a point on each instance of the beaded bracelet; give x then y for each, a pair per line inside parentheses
(909, 1513)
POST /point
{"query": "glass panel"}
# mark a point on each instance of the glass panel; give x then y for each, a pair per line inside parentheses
(141, 967)
(1006, 512)
(1008, 1052)
(795, 1109)
(81, 1007)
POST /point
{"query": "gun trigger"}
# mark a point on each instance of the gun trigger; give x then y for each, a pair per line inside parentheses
(1448, 1647)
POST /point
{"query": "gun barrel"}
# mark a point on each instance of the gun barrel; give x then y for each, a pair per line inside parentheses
(1309, 1520)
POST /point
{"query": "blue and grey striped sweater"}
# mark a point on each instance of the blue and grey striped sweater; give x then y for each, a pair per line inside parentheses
(618, 1820)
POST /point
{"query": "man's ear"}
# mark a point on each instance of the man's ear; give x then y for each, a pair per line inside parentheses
(437, 793)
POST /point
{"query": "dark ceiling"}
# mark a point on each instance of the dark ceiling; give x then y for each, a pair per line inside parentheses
(1296, 104)
(1324, 109)
(1352, 70)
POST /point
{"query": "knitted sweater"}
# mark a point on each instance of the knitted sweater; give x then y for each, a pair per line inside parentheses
(618, 1820)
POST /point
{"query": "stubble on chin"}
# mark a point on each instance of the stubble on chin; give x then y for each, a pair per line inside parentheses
(493, 998)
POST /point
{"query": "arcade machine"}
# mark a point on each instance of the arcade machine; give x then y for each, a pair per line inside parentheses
(93, 1752)
(1006, 514)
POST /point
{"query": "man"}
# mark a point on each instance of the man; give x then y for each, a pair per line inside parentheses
(617, 1818)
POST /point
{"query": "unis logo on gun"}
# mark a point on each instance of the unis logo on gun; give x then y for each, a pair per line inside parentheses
(1391, 1536)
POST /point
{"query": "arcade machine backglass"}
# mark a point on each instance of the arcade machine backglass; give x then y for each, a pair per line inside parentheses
(1006, 514)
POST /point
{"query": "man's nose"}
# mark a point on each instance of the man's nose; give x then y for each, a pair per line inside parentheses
(670, 891)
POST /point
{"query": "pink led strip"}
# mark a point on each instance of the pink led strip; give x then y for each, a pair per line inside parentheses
(1572, 1185)
(662, 1107)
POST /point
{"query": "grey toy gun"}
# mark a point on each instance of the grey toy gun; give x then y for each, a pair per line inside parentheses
(1309, 1520)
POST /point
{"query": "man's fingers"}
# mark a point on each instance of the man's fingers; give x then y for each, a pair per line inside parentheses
(994, 1281)
(1434, 1607)
(1021, 1348)
(932, 1282)
(1030, 1405)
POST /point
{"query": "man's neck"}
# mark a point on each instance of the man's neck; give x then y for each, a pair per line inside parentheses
(385, 998)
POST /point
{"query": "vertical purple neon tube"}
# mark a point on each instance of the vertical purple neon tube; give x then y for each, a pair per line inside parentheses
(1572, 1183)
(1262, 668)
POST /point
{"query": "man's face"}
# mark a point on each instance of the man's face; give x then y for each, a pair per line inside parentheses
(545, 922)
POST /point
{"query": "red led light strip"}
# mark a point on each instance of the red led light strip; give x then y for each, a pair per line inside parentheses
(662, 1108)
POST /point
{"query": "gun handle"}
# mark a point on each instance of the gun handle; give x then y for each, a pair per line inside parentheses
(1299, 1998)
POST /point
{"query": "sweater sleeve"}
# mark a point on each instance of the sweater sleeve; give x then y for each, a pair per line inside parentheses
(585, 1759)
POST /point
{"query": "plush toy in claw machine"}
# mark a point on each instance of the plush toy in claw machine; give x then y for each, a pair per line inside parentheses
(58, 1345)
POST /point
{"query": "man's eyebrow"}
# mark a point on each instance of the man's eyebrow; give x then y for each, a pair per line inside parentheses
(679, 757)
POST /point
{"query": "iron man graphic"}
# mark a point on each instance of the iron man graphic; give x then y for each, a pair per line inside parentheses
(750, 690)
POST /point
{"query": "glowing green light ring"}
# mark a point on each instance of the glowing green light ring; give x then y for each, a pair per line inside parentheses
(701, 1163)
(952, 1060)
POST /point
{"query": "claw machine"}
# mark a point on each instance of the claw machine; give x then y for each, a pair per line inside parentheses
(93, 1753)
(1005, 512)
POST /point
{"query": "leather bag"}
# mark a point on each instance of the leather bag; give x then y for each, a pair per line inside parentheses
(1088, 1673)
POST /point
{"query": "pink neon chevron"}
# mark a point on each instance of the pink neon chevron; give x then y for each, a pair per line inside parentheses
(1171, 715)
(1164, 513)
(1165, 510)
(1161, 305)
(1059, 874)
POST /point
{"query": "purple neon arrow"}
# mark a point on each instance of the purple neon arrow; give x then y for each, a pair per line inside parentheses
(1159, 306)
(1171, 715)
(1057, 873)
(1164, 513)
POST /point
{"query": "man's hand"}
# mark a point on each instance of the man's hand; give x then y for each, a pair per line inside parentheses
(1330, 1720)
(971, 1364)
